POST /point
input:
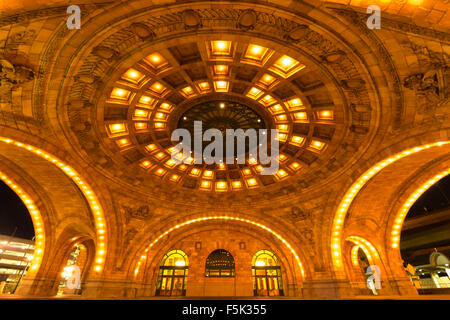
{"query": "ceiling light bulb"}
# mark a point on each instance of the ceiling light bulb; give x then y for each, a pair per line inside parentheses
(120, 92)
(256, 49)
(286, 61)
(221, 45)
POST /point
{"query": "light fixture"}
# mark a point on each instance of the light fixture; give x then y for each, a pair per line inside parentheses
(276, 109)
(166, 107)
(281, 117)
(205, 185)
(158, 88)
(294, 104)
(317, 145)
(147, 102)
(141, 114)
(146, 164)
(140, 125)
(294, 166)
(236, 185)
(123, 142)
(132, 75)
(120, 94)
(188, 92)
(220, 49)
(157, 62)
(267, 100)
(221, 186)
(117, 129)
(204, 87)
(221, 70)
(159, 172)
(150, 147)
(300, 116)
(286, 66)
(256, 55)
(281, 174)
(159, 125)
(326, 115)
(252, 182)
(195, 172)
(297, 140)
(255, 93)
(268, 81)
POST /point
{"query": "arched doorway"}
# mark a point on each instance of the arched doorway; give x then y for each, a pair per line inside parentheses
(266, 272)
(172, 274)
(220, 263)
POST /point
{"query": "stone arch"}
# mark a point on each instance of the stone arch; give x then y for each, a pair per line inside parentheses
(54, 180)
(243, 259)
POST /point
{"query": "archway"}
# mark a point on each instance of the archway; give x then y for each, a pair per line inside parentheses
(401, 178)
(47, 181)
(198, 242)
(266, 270)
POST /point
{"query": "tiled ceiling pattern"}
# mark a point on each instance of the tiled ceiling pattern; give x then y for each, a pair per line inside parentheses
(143, 101)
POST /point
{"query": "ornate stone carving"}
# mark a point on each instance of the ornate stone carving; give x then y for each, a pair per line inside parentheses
(298, 33)
(142, 31)
(105, 52)
(191, 19)
(141, 213)
(430, 88)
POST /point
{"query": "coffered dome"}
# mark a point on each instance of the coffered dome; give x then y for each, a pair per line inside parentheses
(135, 92)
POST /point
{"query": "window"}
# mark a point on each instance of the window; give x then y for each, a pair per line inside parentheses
(220, 263)
(266, 274)
(172, 274)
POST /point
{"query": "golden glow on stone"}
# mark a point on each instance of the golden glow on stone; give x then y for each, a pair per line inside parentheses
(226, 218)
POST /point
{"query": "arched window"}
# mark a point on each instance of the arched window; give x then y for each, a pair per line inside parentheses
(172, 274)
(220, 263)
(266, 274)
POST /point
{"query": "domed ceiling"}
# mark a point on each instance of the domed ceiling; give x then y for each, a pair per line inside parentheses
(131, 92)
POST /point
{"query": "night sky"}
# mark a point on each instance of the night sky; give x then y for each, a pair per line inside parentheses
(13, 213)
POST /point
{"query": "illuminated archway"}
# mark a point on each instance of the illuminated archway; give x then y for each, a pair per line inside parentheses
(212, 218)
